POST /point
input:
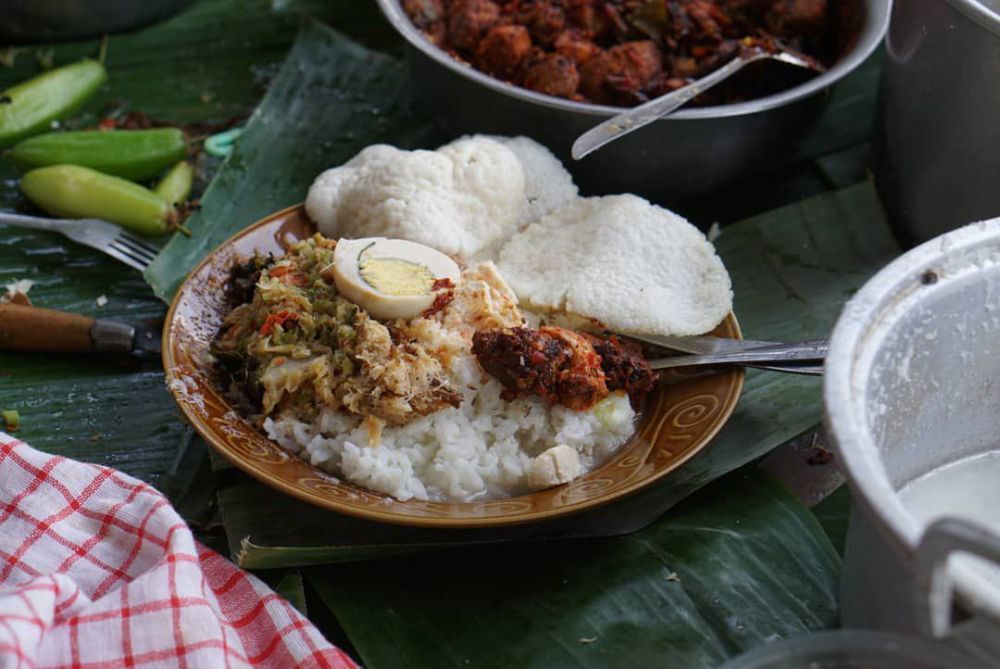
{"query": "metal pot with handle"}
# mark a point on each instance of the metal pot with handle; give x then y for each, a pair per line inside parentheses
(912, 408)
(937, 141)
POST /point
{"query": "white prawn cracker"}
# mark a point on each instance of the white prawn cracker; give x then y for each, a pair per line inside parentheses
(463, 199)
(631, 265)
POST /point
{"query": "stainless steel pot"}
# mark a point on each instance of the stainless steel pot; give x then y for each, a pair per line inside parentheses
(937, 137)
(853, 649)
(692, 152)
(911, 394)
(42, 20)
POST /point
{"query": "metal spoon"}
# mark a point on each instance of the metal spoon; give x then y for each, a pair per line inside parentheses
(707, 344)
(807, 353)
(637, 117)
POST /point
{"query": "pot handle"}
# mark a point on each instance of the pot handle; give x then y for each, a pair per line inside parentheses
(934, 589)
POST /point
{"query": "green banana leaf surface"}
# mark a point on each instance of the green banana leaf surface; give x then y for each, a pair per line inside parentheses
(331, 98)
(696, 587)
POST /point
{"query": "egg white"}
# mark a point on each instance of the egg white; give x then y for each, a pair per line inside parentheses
(351, 254)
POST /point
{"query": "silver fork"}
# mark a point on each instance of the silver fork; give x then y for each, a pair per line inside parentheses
(92, 232)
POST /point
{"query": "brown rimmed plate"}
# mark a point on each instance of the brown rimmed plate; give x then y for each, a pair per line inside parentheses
(679, 418)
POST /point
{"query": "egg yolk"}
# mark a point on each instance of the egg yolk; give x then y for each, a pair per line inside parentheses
(393, 276)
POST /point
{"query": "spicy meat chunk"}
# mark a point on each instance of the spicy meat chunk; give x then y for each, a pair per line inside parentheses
(545, 19)
(622, 74)
(504, 50)
(576, 47)
(625, 368)
(468, 21)
(428, 16)
(791, 18)
(559, 367)
(563, 366)
(553, 74)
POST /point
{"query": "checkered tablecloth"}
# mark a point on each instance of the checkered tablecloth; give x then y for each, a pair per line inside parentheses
(97, 570)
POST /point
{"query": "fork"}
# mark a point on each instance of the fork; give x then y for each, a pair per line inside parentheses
(92, 232)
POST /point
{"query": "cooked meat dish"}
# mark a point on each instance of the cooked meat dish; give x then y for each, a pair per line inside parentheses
(624, 52)
(564, 367)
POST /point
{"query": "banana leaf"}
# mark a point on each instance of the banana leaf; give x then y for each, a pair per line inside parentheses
(331, 98)
(832, 513)
(739, 564)
(792, 270)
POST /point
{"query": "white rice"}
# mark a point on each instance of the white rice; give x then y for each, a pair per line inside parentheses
(481, 450)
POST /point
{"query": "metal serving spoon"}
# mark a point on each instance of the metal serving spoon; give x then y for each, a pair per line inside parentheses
(802, 357)
(637, 117)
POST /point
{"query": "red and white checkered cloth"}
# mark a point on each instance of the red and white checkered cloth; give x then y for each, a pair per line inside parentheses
(97, 571)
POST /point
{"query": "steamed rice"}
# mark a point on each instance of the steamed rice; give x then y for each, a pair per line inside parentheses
(483, 449)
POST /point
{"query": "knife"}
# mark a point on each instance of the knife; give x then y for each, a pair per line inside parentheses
(24, 328)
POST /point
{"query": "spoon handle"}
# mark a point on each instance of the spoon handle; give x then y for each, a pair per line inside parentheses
(810, 352)
(646, 113)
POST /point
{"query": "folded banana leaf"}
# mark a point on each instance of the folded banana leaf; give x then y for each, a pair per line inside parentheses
(792, 270)
(331, 98)
(739, 564)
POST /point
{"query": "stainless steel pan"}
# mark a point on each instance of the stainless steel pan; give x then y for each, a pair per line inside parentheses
(937, 137)
(912, 397)
(692, 152)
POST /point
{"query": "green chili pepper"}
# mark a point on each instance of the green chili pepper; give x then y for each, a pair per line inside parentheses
(29, 107)
(71, 191)
(176, 185)
(131, 154)
(11, 420)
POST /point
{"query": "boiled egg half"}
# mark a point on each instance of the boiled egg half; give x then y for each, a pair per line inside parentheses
(392, 278)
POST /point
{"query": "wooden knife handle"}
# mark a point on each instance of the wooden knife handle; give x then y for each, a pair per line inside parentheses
(35, 329)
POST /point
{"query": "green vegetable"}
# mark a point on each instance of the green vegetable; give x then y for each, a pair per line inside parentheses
(176, 185)
(29, 107)
(71, 191)
(131, 154)
(11, 420)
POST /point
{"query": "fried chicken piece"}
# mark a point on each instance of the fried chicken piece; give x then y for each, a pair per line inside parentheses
(468, 21)
(553, 74)
(576, 47)
(428, 16)
(622, 74)
(503, 50)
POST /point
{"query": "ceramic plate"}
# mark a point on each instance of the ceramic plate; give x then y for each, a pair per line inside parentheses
(678, 420)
